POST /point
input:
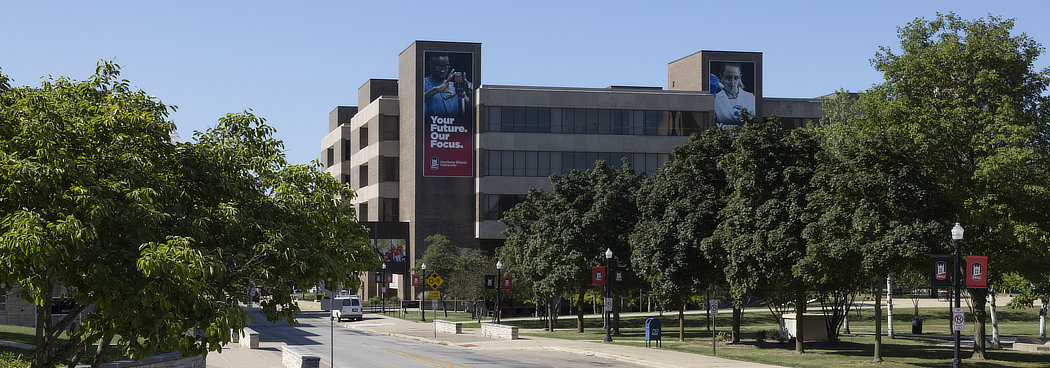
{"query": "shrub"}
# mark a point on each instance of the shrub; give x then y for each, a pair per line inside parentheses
(10, 359)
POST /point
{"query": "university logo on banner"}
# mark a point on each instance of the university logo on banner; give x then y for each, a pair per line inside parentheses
(976, 272)
(598, 275)
(417, 280)
(940, 270)
(448, 113)
(490, 281)
(506, 283)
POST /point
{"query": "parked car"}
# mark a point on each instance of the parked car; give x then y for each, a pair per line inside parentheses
(348, 307)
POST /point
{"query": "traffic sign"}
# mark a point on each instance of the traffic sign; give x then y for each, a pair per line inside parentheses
(958, 319)
(435, 280)
(608, 304)
(714, 307)
(435, 295)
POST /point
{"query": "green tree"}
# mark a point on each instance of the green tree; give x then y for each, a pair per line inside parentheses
(965, 94)
(554, 238)
(873, 212)
(153, 238)
(442, 258)
(768, 173)
(678, 209)
(466, 281)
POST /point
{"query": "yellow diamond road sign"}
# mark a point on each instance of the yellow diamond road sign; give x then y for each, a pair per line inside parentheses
(435, 281)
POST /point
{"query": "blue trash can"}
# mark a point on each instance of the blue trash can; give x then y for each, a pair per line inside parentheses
(652, 332)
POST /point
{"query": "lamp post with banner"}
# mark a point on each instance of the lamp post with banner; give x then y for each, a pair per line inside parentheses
(499, 278)
(422, 314)
(957, 237)
(606, 305)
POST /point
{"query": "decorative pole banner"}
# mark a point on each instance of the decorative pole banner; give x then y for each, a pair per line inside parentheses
(940, 270)
(976, 272)
(598, 275)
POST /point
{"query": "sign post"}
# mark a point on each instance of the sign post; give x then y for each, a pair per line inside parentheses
(714, 327)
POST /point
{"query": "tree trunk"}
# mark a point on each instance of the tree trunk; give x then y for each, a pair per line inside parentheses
(800, 310)
(845, 322)
(996, 344)
(681, 322)
(878, 326)
(550, 320)
(107, 337)
(979, 299)
(579, 311)
(1042, 319)
(737, 313)
(889, 307)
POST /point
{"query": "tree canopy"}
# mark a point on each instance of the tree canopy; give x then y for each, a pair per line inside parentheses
(152, 237)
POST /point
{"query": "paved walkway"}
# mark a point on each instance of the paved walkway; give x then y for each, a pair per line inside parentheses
(269, 355)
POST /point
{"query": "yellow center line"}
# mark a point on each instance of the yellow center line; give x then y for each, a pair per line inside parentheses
(428, 360)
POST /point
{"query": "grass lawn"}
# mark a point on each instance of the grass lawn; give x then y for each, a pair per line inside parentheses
(27, 335)
(413, 315)
(853, 350)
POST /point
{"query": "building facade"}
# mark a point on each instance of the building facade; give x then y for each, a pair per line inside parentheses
(437, 151)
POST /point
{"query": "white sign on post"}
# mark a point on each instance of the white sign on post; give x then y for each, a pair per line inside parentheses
(958, 319)
(714, 307)
(608, 304)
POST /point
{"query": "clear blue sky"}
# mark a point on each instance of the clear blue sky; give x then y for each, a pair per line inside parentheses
(293, 62)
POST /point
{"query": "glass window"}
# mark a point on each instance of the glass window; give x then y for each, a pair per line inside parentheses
(615, 122)
(507, 119)
(568, 162)
(604, 122)
(520, 122)
(532, 120)
(388, 127)
(390, 168)
(556, 163)
(592, 157)
(364, 137)
(556, 118)
(491, 207)
(592, 121)
(493, 118)
(362, 212)
(543, 163)
(489, 163)
(544, 120)
(519, 163)
(638, 122)
(652, 122)
(362, 175)
(507, 160)
(652, 162)
(579, 121)
(530, 163)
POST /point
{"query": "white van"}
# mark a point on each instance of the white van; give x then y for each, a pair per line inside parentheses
(347, 307)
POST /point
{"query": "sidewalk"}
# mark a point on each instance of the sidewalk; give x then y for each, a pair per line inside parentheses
(269, 354)
(471, 339)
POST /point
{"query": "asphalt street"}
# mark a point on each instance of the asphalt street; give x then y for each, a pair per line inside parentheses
(356, 348)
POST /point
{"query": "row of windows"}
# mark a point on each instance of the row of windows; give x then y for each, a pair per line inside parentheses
(535, 163)
(494, 205)
(513, 119)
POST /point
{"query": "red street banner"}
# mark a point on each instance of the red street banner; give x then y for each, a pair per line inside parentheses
(598, 275)
(506, 283)
(416, 280)
(390, 278)
(976, 272)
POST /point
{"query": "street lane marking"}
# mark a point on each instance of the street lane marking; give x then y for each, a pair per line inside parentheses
(428, 360)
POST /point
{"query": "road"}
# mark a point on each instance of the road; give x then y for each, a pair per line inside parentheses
(356, 348)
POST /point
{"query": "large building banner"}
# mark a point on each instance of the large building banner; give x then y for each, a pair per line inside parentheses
(733, 84)
(448, 114)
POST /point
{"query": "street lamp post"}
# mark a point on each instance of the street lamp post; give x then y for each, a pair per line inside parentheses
(382, 291)
(499, 279)
(422, 314)
(608, 270)
(957, 236)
